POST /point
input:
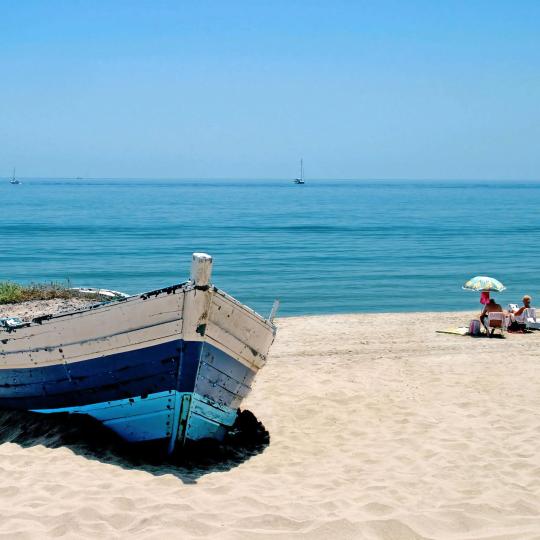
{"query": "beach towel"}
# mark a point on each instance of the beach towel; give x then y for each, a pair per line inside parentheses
(461, 331)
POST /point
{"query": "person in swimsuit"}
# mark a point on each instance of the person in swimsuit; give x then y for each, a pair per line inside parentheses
(526, 305)
(490, 307)
(517, 316)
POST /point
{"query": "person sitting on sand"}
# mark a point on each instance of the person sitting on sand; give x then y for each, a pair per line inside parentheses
(490, 307)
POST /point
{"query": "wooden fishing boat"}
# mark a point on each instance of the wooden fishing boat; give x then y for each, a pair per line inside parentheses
(170, 365)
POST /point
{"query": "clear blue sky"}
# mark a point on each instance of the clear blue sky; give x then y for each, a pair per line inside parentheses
(243, 89)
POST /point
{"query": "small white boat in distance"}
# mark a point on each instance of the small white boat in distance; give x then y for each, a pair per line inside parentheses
(13, 179)
(301, 179)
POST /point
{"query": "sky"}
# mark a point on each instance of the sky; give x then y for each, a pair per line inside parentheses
(243, 89)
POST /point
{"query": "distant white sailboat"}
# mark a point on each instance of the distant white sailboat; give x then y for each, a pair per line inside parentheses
(14, 180)
(301, 179)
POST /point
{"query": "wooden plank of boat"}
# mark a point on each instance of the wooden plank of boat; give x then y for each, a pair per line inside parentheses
(169, 365)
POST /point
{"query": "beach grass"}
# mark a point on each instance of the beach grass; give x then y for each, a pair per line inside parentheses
(14, 293)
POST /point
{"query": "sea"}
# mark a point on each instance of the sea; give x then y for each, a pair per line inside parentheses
(329, 246)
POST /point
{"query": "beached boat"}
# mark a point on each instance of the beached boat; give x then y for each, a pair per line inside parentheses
(92, 291)
(171, 365)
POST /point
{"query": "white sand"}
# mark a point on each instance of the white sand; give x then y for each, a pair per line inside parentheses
(380, 428)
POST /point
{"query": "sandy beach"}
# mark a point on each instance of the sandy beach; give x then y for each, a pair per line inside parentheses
(380, 428)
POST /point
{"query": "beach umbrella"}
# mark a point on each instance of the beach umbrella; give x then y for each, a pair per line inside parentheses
(484, 285)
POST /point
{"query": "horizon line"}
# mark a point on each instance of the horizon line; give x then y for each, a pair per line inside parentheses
(278, 179)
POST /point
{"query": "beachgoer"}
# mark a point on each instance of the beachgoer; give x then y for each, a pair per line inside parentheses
(490, 307)
(526, 305)
(519, 325)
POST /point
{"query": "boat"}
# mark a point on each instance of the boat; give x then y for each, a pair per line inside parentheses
(301, 179)
(13, 179)
(92, 291)
(167, 366)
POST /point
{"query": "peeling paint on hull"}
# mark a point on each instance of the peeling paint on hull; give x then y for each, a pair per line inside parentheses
(141, 366)
(156, 417)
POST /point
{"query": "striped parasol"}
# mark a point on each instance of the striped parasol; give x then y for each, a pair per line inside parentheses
(484, 284)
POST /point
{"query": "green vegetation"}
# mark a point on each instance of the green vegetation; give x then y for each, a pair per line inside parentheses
(12, 293)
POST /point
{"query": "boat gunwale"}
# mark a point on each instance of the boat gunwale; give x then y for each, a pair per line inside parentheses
(185, 286)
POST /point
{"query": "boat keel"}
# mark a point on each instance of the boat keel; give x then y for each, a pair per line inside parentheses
(171, 415)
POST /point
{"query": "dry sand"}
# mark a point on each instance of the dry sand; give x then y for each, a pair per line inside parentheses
(380, 429)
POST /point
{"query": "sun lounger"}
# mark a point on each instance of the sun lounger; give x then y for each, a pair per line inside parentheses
(527, 317)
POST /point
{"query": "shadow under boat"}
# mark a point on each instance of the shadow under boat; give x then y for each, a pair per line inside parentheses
(88, 437)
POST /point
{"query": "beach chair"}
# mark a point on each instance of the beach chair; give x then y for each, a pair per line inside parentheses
(496, 320)
(529, 319)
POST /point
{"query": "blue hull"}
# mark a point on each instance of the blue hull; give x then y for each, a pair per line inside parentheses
(175, 391)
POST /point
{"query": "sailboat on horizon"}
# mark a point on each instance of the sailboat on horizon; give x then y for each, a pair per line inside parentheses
(301, 179)
(13, 179)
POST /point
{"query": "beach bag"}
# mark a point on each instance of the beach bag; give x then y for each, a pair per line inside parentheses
(474, 327)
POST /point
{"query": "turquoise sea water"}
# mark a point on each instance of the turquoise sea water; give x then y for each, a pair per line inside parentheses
(325, 247)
